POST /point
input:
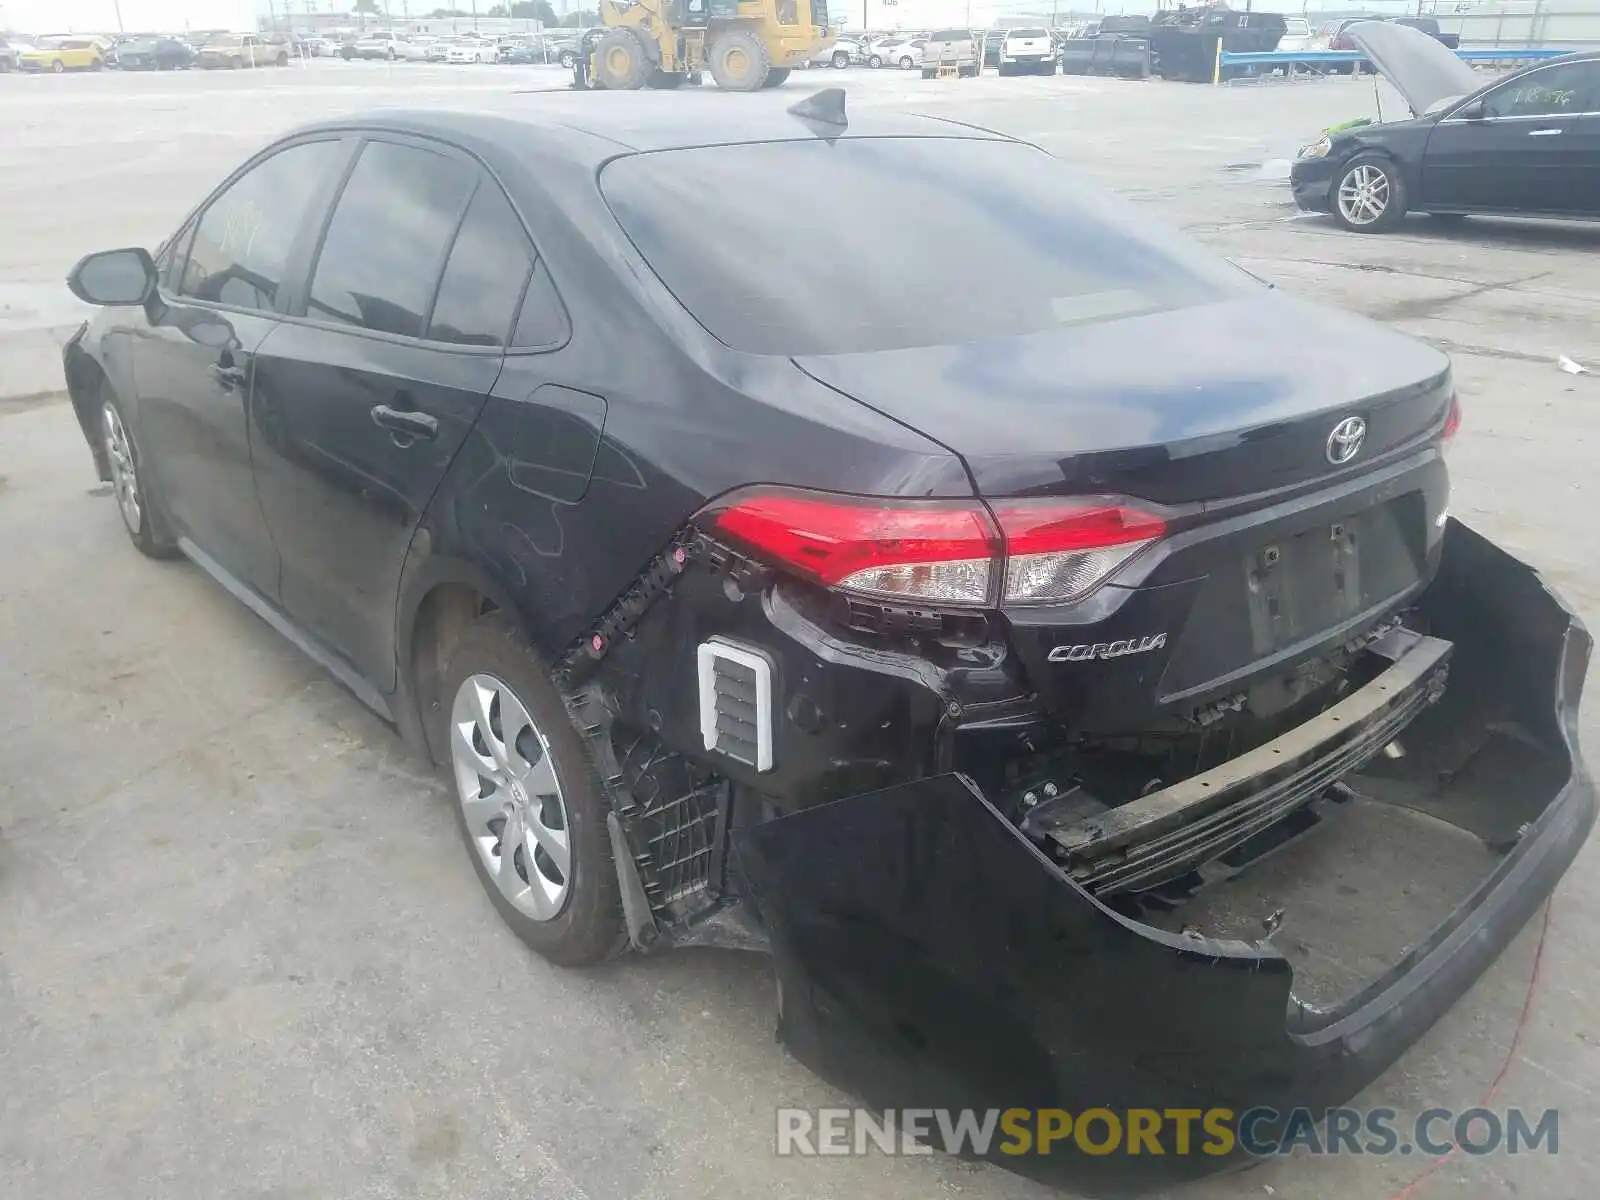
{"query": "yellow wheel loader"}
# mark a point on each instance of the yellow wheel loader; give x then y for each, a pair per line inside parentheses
(746, 45)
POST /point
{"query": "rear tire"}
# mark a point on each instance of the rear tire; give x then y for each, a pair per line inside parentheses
(581, 918)
(567, 59)
(907, 63)
(739, 62)
(619, 62)
(57, 67)
(775, 77)
(840, 60)
(1048, 68)
(137, 501)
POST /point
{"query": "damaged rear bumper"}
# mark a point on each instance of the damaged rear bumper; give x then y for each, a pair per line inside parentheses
(931, 956)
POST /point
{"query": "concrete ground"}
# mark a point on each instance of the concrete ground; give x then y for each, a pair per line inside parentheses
(241, 952)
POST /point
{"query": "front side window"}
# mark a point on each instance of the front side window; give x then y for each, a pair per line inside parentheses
(241, 245)
(386, 244)
(1554, 91)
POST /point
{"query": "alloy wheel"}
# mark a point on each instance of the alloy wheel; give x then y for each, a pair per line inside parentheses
(124, 470)
(1364, 195)
(510, 797)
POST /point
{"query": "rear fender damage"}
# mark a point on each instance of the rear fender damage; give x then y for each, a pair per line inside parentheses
(931, 956)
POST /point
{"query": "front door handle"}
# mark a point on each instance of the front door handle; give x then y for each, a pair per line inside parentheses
(405, 427)
(1545, 132)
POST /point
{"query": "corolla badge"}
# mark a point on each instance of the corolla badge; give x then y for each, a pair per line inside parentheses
(1085, 651)
(1344, 443)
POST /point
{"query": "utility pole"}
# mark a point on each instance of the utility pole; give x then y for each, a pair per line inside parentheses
(117, 7)
(474, 16)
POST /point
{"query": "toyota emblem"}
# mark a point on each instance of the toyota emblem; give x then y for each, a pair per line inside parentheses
(1344, 443)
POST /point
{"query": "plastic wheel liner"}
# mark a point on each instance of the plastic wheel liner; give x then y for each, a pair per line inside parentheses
(929, 956)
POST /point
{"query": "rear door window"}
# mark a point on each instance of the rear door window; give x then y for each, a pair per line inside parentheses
(486, 274)
(949, 239)
(385, 247)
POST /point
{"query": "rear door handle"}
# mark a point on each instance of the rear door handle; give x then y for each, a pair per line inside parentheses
(1545, 132)
(405, 427)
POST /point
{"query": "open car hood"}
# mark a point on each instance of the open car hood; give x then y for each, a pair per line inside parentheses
(1421, 69)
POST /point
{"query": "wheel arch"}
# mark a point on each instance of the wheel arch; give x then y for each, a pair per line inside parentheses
(439, 596)
(85, 377)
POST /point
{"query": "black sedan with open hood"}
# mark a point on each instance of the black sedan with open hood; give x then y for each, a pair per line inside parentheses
(1525, 144)
(947, 629)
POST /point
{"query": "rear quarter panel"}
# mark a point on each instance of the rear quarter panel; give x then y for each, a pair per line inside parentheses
(588, 458)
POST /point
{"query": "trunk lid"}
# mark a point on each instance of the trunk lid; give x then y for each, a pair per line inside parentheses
(1241, 399)
(1274, 552)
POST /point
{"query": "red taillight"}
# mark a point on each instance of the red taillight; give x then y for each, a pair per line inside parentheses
(930, 549)
(1060, 550)
(941, 551)
(1452, 419)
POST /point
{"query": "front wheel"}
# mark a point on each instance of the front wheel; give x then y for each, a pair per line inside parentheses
(283, 59)
(1369, 196)
(528, 803)
(568, 58)
(133, 491)
(57, 67)
(907, 63)
(739, 62)
(840, 60)
(875, 62)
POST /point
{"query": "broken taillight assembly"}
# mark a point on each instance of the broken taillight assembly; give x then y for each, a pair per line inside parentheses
(962, 553)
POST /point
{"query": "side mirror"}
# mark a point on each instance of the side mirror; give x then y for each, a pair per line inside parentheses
(1469, 112)
(114, 277)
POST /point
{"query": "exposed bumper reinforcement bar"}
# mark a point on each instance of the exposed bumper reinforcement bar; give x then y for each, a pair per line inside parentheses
(1170, 831)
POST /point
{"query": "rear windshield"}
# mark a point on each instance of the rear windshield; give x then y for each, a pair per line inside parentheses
(1028, 33)
(952, 35)
(836, 247)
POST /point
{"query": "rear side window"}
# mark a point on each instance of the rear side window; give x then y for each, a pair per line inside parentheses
(241, 245)
(1035, 248)
(485, 275)
(386, 245)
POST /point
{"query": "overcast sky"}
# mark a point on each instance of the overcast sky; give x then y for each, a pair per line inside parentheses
(68, 16)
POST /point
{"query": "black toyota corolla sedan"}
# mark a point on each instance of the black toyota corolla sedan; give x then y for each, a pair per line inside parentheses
(942, 628)
(1526, 144)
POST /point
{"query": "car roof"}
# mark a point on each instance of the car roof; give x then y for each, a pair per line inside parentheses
(591, 127)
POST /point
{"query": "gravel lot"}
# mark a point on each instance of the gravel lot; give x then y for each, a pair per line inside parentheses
(241, 952)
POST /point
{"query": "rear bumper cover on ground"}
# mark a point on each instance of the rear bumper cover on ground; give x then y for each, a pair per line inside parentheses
(931, 957)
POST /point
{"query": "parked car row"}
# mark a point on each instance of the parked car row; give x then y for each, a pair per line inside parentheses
(146, 52)
(397, 46)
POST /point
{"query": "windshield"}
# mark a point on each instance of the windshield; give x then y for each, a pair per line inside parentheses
(1033, 252)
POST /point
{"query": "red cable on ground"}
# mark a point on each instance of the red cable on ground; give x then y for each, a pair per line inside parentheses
(1406, 1192)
